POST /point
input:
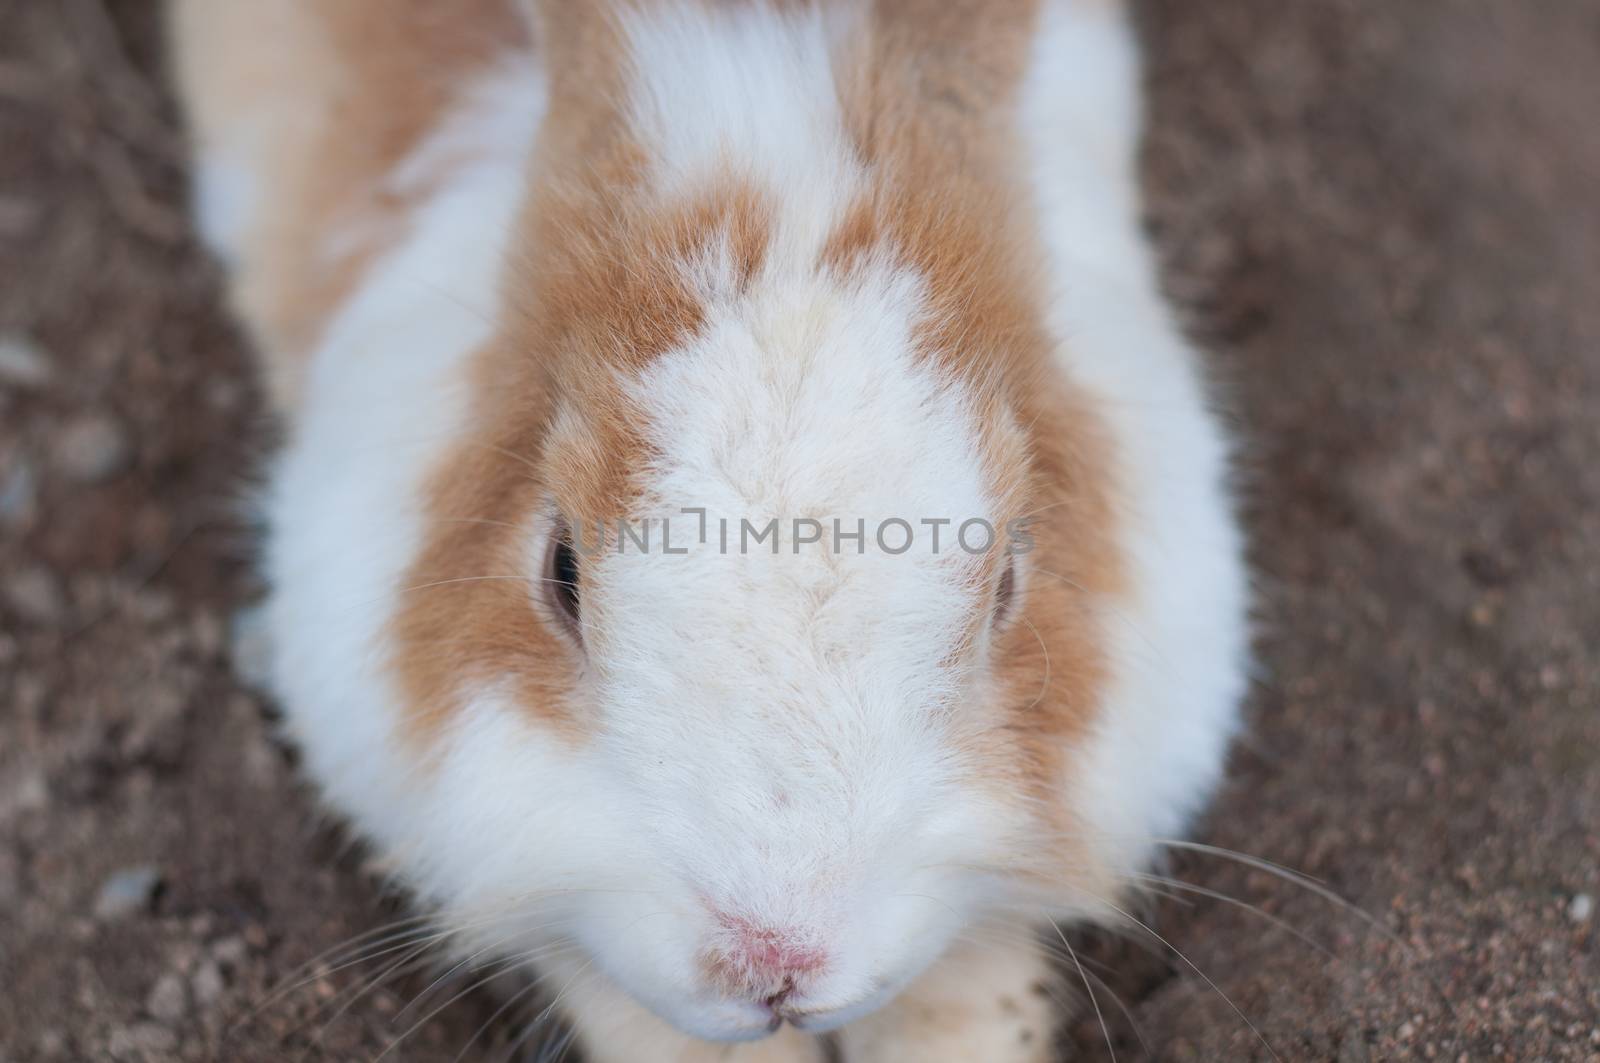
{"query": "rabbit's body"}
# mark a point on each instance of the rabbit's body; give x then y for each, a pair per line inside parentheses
(781, 260)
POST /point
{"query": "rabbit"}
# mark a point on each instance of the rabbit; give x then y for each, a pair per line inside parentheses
(752, 549)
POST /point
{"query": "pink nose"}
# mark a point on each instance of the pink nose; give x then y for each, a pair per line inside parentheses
(762, 962)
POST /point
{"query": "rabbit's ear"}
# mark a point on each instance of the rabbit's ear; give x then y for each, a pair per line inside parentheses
(579, 41)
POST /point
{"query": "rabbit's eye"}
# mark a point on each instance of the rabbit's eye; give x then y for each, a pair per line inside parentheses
(561, 579)
(1005, 592)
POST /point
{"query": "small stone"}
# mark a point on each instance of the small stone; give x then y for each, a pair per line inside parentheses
(262, 763)
(1580, 908)
(1407, 1031)
(91, 448)
(207, 984)
(168, 999)
(208, 633)
(35, 594)
(156, 735)
(145, 1040)
(19, 496)
(251, 647)
(24, 794)
(52, 1044)
(127, 892)
(22, 364)
(230, 951)
(152, 605)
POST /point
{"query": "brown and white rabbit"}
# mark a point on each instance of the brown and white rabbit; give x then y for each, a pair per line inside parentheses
(635, 356)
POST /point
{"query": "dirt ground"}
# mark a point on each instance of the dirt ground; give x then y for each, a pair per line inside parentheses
(1384, 218)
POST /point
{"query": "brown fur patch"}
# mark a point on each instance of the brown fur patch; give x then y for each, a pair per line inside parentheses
(600, 293)
(928, 95)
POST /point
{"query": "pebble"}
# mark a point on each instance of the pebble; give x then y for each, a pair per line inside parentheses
(207, 984)
(91, 448)
(168, 999)
(19, 495)
(52, 1044)
(251, 647)
(1352, 1049)
(35, 594)
(157, 732)
(230, 950)
(208, 633)
(127, 892)
(1581, 908)
(22, 364)
(25, 792)
(262, 761)
(145, 1040)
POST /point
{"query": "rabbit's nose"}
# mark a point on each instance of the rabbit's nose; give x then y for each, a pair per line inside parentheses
(760, 962)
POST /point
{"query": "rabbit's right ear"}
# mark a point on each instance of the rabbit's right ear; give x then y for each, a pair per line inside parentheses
(580, 41)
(582, 45)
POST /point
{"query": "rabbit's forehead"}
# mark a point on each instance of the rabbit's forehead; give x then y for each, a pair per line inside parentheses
(805, 457)
(810, 397)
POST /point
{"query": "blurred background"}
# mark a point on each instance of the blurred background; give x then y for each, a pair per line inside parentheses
(1383, 220)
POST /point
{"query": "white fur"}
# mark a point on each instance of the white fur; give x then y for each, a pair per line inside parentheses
(981, 1002)
(741, 88)
(383, 402)
(1180, 638)
(225, 195)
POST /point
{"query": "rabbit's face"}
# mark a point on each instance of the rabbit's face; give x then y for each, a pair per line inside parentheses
(783, 617)
(765, 716)
(781, 691)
